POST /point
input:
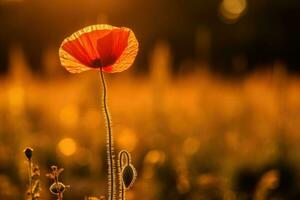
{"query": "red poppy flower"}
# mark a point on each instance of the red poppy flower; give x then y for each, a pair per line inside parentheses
(105, 47)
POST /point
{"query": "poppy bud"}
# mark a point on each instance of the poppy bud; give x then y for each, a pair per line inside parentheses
(129, 175)
(28, 152)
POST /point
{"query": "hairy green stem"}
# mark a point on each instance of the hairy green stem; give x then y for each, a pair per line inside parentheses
(109, 144)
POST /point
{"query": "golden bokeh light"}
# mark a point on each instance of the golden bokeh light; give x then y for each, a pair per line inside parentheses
(16, 98)
(91, 119)
(155, 156)
(206, 180)
(231, 10)
(127, 139)
(191, 145)
(67, 146)
(69, 116)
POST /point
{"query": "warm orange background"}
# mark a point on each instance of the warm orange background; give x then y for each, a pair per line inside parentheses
(195, 130)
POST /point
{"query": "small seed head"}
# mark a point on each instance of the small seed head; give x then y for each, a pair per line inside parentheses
(28, 153)
(57, 188)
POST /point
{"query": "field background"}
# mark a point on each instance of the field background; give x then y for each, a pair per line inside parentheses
(202, 120)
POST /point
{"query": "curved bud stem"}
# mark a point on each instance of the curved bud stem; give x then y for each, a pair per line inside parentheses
(122, 156)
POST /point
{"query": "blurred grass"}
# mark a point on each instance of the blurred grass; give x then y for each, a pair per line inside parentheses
(192, 136)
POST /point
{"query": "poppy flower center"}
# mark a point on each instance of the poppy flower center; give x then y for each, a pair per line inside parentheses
(96, 63)
(99, 63)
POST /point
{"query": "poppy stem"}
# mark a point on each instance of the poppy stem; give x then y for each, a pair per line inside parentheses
(109, 143)
(29, 177)
(59, 194)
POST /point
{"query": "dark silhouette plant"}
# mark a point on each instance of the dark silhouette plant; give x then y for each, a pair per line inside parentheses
(33, 188)
(57, 188)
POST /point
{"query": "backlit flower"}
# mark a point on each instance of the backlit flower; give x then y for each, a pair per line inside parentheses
(105, 47)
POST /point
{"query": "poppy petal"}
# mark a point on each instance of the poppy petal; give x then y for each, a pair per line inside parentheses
(99, 46)
(111, 46)
(128, 55)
